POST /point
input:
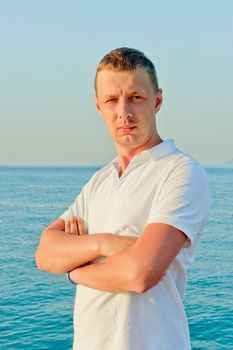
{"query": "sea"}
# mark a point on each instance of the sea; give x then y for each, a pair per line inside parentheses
(37, 307)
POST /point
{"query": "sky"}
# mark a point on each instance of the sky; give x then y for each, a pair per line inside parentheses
(49, 50)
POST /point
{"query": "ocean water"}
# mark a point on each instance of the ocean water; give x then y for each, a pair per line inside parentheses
(36, 307)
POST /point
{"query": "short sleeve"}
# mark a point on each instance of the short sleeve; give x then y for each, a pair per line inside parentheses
(184, 200)
(79, 208)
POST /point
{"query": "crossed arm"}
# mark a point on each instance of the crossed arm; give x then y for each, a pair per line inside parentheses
(131, 264)
(66, 245)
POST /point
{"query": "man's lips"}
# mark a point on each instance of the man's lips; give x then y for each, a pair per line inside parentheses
(126, 129)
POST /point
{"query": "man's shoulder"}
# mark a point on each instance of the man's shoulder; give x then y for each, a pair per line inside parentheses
(168, 153)
(176, 164)
(184, 163)
(177, 157)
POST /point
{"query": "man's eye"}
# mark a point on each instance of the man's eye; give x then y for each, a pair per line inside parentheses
(136, 97)
(110, 100)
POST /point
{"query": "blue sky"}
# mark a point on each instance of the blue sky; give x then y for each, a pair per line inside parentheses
(49, 51)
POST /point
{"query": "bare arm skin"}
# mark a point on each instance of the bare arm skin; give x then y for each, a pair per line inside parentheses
(64, 246)
(138, 268)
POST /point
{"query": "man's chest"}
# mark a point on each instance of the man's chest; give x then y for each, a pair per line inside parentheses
(123, 203)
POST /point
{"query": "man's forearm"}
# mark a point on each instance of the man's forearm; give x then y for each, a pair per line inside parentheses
(117, 273)
(138, 268)
(59, 252)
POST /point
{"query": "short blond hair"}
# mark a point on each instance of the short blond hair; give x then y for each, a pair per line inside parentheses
(127, 59)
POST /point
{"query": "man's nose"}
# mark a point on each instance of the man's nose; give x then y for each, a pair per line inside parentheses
(125, 110)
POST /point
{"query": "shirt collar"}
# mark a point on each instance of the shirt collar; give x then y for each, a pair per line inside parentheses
(162, 150)
(157, 152)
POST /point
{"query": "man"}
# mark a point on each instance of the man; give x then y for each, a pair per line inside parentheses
(143, 213)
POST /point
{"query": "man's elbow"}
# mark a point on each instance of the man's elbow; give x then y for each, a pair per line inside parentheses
(45, 261)
(41, 260)
(142, 286)
(142, 281)
(40, 254)
(38, 260)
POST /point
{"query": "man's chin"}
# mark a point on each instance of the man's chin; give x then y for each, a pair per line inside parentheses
(127, 142)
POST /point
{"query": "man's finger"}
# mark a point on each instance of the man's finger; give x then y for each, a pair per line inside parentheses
(82, 227)
(73, 226)
(67, 226)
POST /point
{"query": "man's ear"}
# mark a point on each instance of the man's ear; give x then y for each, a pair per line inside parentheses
(97, 103)
(158, 100)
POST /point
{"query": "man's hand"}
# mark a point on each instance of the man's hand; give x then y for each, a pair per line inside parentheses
(75, 226)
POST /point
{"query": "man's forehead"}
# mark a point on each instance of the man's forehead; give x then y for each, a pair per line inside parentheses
(111, 80)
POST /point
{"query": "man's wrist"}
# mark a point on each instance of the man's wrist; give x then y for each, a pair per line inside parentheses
(103, 243)
(70, 279)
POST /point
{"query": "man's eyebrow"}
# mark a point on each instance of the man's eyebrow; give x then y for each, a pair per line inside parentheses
(129, 93)
(109, 96)
(135, 92)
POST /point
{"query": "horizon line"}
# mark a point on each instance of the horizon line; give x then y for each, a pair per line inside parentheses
(75, 165)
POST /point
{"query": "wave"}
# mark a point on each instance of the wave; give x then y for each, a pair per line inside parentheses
(35, 206)
(65, 187)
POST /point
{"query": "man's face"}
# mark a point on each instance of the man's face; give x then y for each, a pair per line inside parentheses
(127, 102)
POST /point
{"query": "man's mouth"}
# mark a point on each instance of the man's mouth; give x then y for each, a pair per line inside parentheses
(126, 129)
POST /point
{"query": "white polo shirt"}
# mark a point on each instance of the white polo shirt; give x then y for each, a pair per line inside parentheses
(161, 185)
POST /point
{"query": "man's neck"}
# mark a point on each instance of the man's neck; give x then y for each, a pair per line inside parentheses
(126, 154)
